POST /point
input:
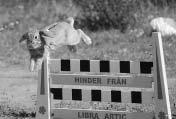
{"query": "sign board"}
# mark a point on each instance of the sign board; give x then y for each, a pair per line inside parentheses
(95, 114)
(102, 80)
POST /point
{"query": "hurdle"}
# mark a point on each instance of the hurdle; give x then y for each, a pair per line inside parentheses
(71, 88)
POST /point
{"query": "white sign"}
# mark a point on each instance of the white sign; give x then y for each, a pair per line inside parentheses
(102, 80)
(95, 114)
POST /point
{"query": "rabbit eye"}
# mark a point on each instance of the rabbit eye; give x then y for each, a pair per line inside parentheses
(35, 37)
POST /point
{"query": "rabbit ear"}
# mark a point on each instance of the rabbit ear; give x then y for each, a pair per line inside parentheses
(24, 37)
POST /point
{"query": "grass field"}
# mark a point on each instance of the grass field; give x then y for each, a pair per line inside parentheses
(18, 86)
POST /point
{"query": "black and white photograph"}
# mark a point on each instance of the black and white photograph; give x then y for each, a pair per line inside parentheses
(87, 59)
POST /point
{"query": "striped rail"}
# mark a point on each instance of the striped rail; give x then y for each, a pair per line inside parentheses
(66, 82)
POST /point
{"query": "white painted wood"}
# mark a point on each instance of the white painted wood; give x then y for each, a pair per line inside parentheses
(67, 94)
(114, 66)
(55, 65)
(75, 65)
(126, 97)
(94, 66)
(147, 97)
(135, 67)
(161, 87)
(106, 96)
(43, 93)
(86, 95)
(103, 80)
(94, 114)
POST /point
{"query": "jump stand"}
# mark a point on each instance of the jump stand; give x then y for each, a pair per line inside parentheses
(62, 81)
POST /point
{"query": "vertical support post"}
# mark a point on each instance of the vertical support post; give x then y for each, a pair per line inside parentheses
(162, 110)
(43, 92)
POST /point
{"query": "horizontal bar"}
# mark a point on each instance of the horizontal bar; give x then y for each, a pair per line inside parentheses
(102, 80)
(117, 96)
(100, 66)
(95, 114)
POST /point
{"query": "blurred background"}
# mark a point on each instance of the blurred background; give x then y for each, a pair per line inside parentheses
(116, 27)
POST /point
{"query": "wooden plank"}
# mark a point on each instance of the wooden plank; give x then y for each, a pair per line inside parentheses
(145, 97)
(106, 96)
(162, 102)
(54, 65)
(43, 93)
(135, 67)
(86, 95)
(102, 80)
(75, 65)
(67, 94)
(94, 66)
(126, 97)
(114, 66)
(95, 114)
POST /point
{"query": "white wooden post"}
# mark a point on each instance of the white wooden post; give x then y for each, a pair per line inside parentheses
(43, 92)
(162, 109)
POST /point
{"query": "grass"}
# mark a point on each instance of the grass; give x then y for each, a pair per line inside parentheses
(107, 44)
(16, 111)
